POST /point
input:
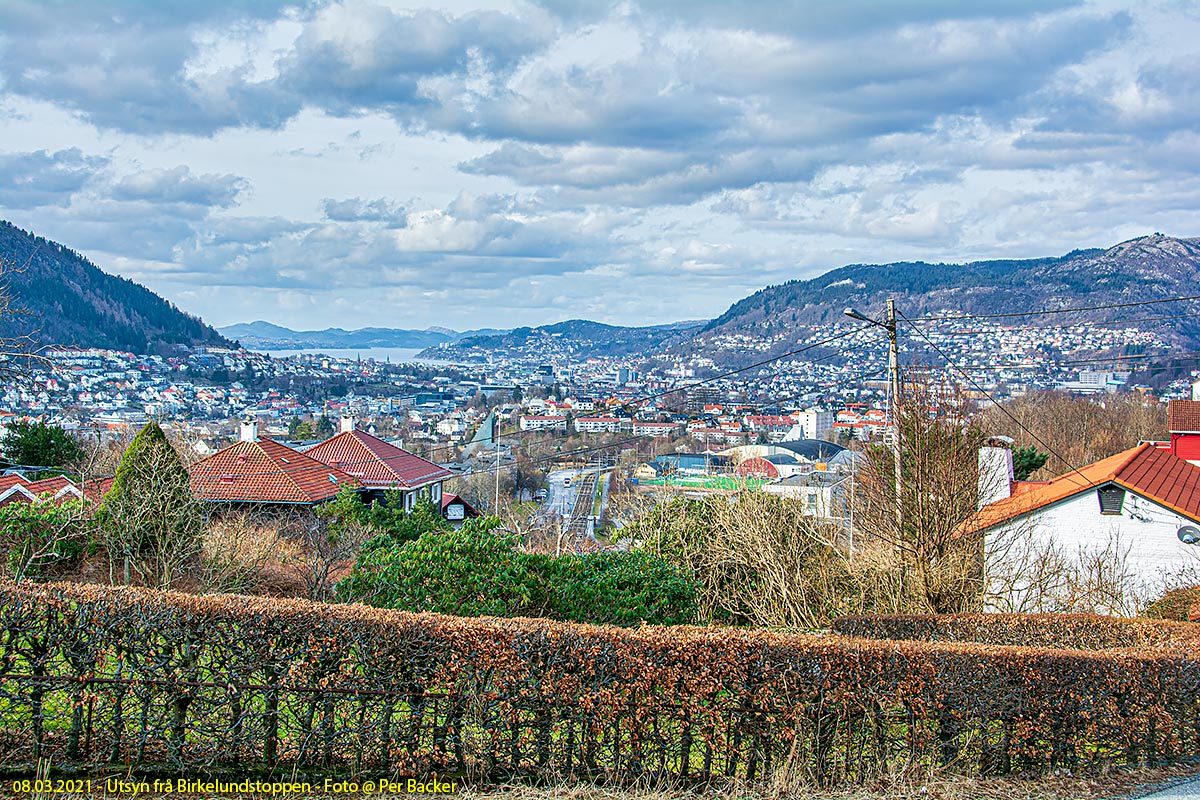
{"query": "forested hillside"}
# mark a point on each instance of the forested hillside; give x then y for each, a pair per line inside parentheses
(69, 301)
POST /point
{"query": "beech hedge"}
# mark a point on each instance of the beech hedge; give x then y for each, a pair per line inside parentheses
(107, 679)
(1058, 631)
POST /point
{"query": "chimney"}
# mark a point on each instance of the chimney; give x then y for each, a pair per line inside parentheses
(249, 429)
(995, 470)
(347, 423)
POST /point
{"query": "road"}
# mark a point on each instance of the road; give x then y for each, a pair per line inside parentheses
(1188, 790)
(560, 498)
(572, 504)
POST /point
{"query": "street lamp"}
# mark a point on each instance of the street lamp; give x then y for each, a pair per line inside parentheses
(889, 325)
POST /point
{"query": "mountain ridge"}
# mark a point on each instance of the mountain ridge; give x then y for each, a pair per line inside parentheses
(71, 302)
(269, 336)
(1154, 267)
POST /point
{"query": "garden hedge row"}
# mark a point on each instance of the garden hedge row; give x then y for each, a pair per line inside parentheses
(101, 679)
(1057, 631)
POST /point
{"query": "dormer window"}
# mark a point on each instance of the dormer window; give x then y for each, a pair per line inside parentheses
(1112, 498)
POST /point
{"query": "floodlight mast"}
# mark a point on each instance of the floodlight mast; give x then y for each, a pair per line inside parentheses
(889, 325)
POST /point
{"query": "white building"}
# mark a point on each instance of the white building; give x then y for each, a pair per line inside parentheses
(813, 423)
(597, 424)
(543, 423)
(1111, 536)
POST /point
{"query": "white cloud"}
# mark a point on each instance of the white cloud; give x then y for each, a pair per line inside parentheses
(636, 162)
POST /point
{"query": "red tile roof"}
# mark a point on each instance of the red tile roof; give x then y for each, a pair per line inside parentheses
(1183, 416)
(375, 463)
(9, 481)
(1151, 472)
(49, 485)
(266, 471)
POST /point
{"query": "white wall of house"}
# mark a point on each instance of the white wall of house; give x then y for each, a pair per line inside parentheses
(823, 502)
(1026, 559)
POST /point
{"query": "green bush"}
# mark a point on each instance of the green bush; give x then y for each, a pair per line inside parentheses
(477, 571)
(618, 589)
(467, 572)
(387, 520)
(37, 537)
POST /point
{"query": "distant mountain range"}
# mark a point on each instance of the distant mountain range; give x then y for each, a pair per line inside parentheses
(69, 301)
(1152, 267)
(576, 337)
(266, 336)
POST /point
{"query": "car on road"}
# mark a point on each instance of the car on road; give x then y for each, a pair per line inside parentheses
(566, 481)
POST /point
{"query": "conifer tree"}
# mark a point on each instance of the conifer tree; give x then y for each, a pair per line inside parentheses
(150, 521)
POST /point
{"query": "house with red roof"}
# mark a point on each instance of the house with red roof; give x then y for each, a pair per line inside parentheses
(457, 510)
(380, 466)
(264, 472)
(1135, 515)
(18, 489)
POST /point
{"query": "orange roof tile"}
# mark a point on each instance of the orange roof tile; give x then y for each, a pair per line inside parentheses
(1151, 472)
(375, 463)
(8, 481)
(266, 471)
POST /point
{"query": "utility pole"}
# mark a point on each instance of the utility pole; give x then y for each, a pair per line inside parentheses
(495, 444)
(889, 325)
(893, 406)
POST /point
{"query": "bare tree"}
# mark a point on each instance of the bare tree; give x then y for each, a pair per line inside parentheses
(1076, 430)
(759, 559)
(19, 348)
(939, 491)
(320, 546)
(236, 547)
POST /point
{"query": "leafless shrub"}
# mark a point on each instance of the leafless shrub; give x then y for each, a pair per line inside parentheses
(319, 547)
(1027, 573)
(939, 491)
(236, 548)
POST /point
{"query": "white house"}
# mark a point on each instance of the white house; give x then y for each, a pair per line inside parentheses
(544, 422)
(597, 424)
(1110, 536)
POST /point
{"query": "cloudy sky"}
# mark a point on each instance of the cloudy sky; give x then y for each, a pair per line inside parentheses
(474, 164)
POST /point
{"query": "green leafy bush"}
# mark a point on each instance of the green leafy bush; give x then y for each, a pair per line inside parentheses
(477, 571)
(618, 589)
(37, 537)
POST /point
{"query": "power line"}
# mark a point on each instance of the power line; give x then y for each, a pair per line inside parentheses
(988, 395)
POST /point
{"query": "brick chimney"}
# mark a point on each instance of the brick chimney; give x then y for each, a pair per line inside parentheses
(347, 424)
(249, 429)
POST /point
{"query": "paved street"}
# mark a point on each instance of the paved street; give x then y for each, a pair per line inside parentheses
(1189, 790)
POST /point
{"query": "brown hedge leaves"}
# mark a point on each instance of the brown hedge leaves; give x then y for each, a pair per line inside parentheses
(96, 676)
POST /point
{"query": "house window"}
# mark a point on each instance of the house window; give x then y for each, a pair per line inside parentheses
(1111, 499)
